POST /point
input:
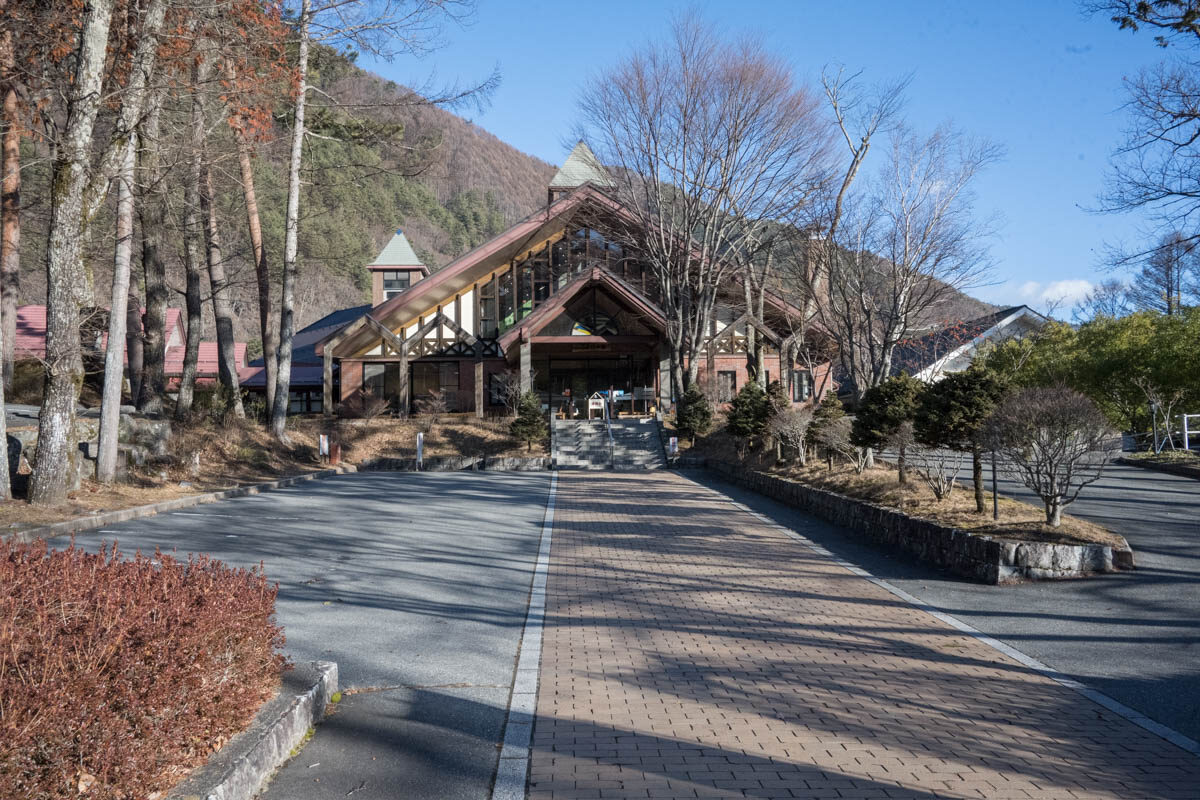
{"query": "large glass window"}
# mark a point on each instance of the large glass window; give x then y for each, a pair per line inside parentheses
(726, 386)
(801, 385)
(395, 283)
(487, 310)
(435, 376)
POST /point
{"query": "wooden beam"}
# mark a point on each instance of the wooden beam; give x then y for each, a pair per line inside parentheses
(327, 383)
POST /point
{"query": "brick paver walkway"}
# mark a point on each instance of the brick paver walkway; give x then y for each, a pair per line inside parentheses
(692, 651)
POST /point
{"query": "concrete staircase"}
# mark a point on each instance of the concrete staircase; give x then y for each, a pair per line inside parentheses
(583, 444)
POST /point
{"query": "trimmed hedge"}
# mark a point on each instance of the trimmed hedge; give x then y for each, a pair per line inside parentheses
(118, 675)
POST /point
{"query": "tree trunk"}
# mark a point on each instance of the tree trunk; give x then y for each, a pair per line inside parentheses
(268, 323)
(10, 232)
(133, 346)
(227, 367)
(114, 367)
(291, 238)
(902, 467)
(977, 477)
(64, 268)
(193, 239)
(152, 212)
(1053, 513)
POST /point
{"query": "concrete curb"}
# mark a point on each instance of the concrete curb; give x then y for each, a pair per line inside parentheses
(1168, 734)
(94, 521)
(513, 770)
(1170, 469)
(241, 768)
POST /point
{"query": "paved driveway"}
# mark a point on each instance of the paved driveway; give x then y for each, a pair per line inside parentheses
(417, 586)
(1135, 636)
(692, 651)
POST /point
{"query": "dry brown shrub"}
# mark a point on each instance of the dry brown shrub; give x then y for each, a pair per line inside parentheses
(119, 674)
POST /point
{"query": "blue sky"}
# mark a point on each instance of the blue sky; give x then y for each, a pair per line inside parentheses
(1040, 78)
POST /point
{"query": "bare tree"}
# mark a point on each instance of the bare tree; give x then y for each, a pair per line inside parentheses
(708, 142)
(1168, 281)
(901, 249)
(1108, 299)
(789, 428)
(10, 201)
(64, 364)
(1154, 168)
(1057, 441)
(227, 371)
(114, 361)
(385, 29)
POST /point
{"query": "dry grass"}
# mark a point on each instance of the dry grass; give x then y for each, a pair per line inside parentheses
(454, 435)
(206, 457)
(880, 485)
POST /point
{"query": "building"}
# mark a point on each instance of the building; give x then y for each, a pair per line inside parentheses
(554, 302)
(30, 344)
(953, 347)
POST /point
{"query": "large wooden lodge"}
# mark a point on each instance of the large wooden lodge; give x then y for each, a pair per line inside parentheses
(554, 300)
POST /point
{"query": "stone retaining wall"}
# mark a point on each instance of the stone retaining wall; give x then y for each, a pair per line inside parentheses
(976, 556)
(456, 464)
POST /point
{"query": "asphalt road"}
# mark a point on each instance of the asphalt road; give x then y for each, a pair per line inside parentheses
(1134, 635)
(417, 586)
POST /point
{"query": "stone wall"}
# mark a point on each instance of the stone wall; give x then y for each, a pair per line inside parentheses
(456, 464)
(975, 556)
(140, 439)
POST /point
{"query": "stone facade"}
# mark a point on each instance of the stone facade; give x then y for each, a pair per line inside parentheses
(979, 557)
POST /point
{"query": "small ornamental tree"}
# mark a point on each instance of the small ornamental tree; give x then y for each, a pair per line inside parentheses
(1057, 440)
(789, 428)
(952, 413)
(695, 415)
(883, 412)
(529, 426)
(748, 414)
(829, 428)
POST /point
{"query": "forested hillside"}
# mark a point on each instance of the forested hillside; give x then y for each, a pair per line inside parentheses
(379, 162)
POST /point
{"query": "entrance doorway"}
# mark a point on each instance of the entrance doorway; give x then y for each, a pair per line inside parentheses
(573, 380)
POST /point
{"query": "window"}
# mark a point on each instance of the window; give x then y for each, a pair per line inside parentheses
(395, 283)
(487, 310)
(726, 386)
(435, 376)
(497, 389)
(801, 385)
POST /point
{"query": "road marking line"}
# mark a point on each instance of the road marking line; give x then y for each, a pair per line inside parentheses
(1120, 709)
(513, 769)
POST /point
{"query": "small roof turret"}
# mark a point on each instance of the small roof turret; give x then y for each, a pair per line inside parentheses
(581, 167)
(397, 253)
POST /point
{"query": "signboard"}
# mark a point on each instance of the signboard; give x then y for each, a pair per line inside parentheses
(595, 404)
(323, 447)
(420, 449)
(673, 445)
(643, 393)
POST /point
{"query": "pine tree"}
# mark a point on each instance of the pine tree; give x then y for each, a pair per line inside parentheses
(882, 414)
(748, 414)
(952, 413)
(530, 425)
(695, 414)
(827, 423)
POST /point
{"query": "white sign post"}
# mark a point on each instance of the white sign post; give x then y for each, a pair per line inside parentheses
(420, 450)
(673, 445)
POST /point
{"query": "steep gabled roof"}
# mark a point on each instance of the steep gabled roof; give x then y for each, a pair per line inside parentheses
(924, 356)
(581, 167)
(461, 273)
(397, 253)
